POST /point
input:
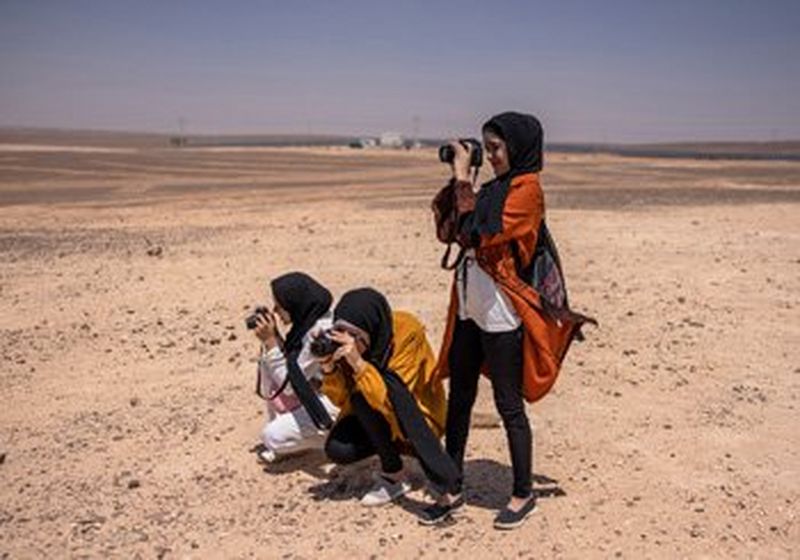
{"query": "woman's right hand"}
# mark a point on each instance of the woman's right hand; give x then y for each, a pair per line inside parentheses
(266, 330)
(460, 163)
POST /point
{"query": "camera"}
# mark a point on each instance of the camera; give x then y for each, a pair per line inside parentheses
(447, 154)
(252, 320)
(323, 345)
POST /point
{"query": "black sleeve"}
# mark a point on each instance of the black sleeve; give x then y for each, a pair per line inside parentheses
(467, 232)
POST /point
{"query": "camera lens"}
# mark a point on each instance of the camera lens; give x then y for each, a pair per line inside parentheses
(323, 345)
(251, 322)
(446, 153)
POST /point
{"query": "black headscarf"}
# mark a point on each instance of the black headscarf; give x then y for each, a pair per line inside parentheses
(369, 310)
(305, 299)
(524, 138)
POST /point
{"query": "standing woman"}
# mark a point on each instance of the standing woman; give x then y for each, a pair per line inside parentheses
(497, 322)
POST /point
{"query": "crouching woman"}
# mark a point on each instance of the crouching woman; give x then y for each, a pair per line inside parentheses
(288, 375)
(382, 379)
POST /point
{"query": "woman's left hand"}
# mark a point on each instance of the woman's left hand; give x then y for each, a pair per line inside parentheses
(461, 160)
(348, 350)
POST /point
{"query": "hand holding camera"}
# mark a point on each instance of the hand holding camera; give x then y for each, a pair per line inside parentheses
(262, 323)
(332, 346)
(462, 155)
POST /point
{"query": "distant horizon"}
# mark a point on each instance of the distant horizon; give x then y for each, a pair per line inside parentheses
(344, 135)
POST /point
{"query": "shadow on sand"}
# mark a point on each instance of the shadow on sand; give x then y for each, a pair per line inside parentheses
(487, 482)
(312, 462)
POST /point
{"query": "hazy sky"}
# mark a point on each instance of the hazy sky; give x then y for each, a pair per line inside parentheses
(645, 70)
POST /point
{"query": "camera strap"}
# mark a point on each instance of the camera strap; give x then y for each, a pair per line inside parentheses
(277, 392)
(446, 257)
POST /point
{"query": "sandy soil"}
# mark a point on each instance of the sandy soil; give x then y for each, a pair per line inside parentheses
(127, 375)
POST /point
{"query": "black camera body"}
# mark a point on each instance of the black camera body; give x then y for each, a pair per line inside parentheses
(323, 345)
(252, 320)
(447, 154)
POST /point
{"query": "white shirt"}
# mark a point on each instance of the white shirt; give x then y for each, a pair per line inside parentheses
(272, 364)
(481, 300)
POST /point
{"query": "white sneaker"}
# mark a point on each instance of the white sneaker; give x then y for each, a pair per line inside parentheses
(267, 455)
(385, 491)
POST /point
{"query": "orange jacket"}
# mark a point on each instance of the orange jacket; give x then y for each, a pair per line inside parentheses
(546, 339)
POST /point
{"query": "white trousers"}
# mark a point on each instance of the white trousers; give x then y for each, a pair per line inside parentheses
(294, 431)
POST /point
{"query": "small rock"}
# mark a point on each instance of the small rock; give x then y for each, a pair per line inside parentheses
(135, 401)
(133, 484)
(2, 458)
(156, 251)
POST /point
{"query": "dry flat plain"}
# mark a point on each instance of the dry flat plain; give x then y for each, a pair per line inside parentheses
(127, 411)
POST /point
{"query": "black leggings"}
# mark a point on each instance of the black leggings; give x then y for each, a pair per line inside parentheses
(361, 435)
(366, 432)
(503, 354)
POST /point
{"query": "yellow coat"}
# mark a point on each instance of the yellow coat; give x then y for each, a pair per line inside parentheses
(413, 361)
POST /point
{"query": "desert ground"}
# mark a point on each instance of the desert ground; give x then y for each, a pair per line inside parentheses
(128, 413)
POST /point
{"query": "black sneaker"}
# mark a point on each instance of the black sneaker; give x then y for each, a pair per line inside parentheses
(508, 519)
(437, 513)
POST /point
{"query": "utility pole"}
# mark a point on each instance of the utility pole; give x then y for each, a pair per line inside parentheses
(180, 140)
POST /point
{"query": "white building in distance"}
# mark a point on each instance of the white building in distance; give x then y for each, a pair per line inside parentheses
(391, 140)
